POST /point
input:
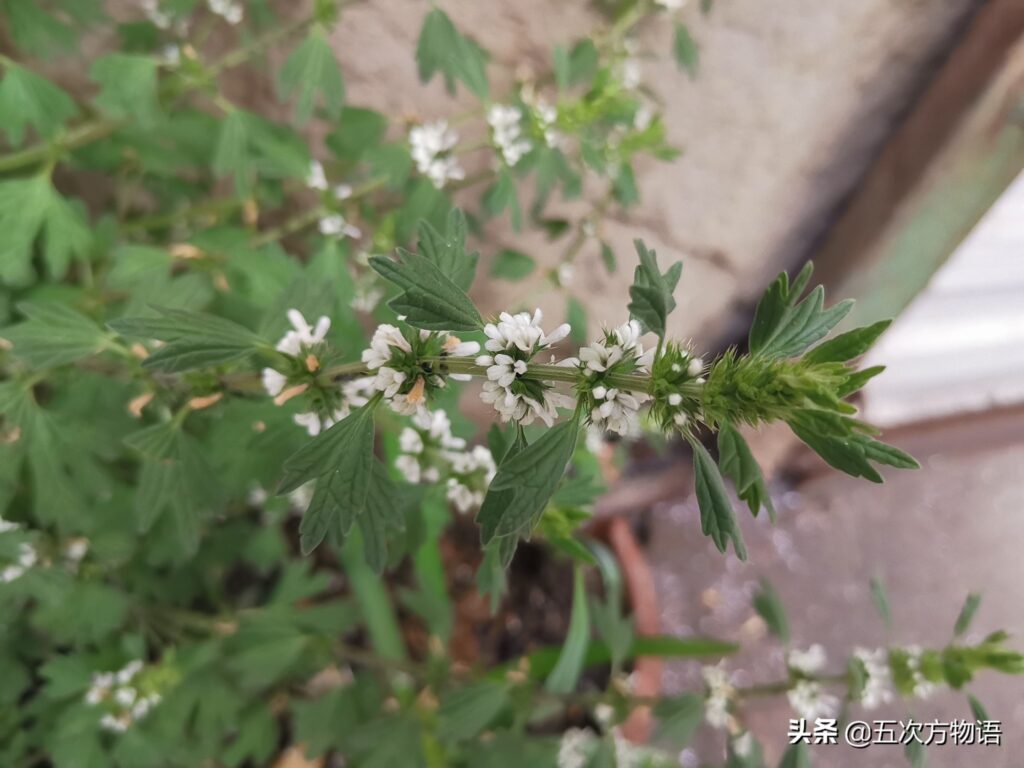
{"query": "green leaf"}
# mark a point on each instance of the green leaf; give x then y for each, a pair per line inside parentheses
(685, 50)
(24, 207)
(849, 345)
(678, 718)
(542, 661)
(430, 300)
(340, 460)
(26, 99)
(832, 437)
(512, 265)
(312, 68)
(567, 671)
(467, 711)
(65, 234)
(970, 607)
(128, 86)
(769, 607)
(194, 339)
(784, 326)
(651, 292)
(797, 756)
(576, 316)
(448, 251)
(740, 466)
(501, 195)
(977, 710)
(231, 154)
(914, 751)
(442, 48)
(881, 601)
(53, 335)
(716, 515)
(531, 476)
(387, 505)
(608, 257)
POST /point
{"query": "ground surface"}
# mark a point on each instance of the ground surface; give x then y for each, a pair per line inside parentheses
(934, 535)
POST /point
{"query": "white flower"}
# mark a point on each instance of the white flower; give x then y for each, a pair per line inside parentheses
(502, 368)
(7, 525)
(808, 662)
(695, 367)
(600, 357)
(366, 299)
(303, 336)
(388, 381)
(410, 468)
(385, 339)
(315, 176)
(521, 331)
(334, 224)
(720, 692)
(618, 411)
(430, 146)
(566, 273)
(629, 72)
(114, 724)
(923, 688)
(462, 496)
(171, 54)
(27, 557)
(410, 441)
(743, 745)
(229, 10)
(878, 688)
(125, 696)
(158, 17)
(574, 749)
(273, 381)
(76, 549)
(671, 5)
(506, 131)
(314, 423)
(342, 191)
(809, 701)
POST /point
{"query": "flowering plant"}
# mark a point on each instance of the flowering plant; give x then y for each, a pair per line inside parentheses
(228, 509)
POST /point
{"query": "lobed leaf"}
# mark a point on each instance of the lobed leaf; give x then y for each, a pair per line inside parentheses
(429, 298)
(740, 466)
(442, 48)
(311, 69)
(651, 293)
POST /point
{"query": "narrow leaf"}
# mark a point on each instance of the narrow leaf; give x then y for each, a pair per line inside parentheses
(739, 465)
(970, 607)
(716, 514)
(567, 671)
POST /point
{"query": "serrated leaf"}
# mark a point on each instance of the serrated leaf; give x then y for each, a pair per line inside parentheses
(442, 48)
(501, 195)
(340, 461)
(531, 476)
(26, 99)
(231, 152)
(678, 718)
(430, 300)
(512, 265)
(739, 465)
(53, 335)
(685, 50)
(966, 616)
(786, 327)
(128, 86)
(24, 206)
(567, 671)
(467, 711)
(651, 292)
(311, 69)
(65, 234)
(769, 607)
(716, 514)
(193, 339)
(849, 345)
(387, 505)
(448, 251)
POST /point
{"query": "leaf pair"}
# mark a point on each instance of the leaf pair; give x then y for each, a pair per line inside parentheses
(786, 327)
(442, 48)
(193, 339)
(525, 482)
(340, 461)
(651, 292)
(434, 281)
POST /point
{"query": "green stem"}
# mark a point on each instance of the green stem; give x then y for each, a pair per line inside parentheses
(49, 150)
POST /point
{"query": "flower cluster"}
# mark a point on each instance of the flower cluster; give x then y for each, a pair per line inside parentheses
(231, 11)
(922, 688)
(404, 367)
(430, 452)
(808, 662)
(301, 343)
(579, 746)
(810, 701)
(877, 688)
(27, 558)
(336, 225)
(610, 407)
(719, 695)
(671, 5)
(431, 146)
(125, 697)
(511, 343)
(505, 122)
(676, 379)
